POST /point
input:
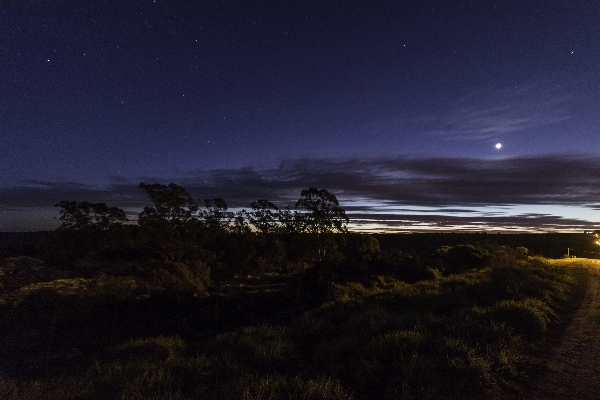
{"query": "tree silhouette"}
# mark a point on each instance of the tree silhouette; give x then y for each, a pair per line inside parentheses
(84, 215)
(264, 216)
(323, 211)
(240, 222)
(323, 214)
(216, 216)
(171, 203)
(171, 226)
(290, 221)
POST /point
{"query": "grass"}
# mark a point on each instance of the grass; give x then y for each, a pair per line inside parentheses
(480, 333)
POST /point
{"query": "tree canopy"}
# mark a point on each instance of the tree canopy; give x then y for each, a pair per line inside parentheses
(264, 216)
(323, 211)
(172, 203)
(84, 215)
(317, 211)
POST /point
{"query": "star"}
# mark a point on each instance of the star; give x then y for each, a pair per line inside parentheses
(498, 146)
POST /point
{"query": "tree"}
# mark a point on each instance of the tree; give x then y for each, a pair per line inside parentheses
(84, 215)
(170, 224)
(216, 215)
(323, 211)
(108, 217)
(171, 204)
(73, 217)
(290, 221)
(323, 214)
(240, 222)
(264, 216)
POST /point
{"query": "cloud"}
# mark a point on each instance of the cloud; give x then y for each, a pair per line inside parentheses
(416, 190)
(36, 193)
(447, 182)
(439, 221)
(488, 114)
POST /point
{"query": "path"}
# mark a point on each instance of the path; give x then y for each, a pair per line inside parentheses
(574, 367)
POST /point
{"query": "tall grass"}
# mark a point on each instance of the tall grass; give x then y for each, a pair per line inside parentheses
(473, 334)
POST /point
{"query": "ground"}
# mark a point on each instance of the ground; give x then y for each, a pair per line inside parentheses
(574, 366)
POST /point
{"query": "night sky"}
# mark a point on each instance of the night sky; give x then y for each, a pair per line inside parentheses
(396, 107)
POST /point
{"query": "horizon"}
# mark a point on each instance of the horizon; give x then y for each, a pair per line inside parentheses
(408, 212)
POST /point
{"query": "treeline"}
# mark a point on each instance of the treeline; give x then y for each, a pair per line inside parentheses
(186, 244)
(179, 245)
(317, 211)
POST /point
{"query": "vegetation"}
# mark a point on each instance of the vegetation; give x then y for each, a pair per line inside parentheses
(84, 215)
(199, 303)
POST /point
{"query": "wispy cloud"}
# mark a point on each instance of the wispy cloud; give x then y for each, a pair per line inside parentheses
(487, 114)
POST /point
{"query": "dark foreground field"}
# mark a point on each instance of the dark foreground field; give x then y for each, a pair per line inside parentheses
(484, 330)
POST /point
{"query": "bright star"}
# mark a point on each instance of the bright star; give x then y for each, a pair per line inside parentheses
(498, 146)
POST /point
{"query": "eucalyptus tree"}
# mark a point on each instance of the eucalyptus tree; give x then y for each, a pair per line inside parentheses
(84, 215)
(216, 216)
(264, 216)
(323, 214)
(172, 203)
(240, 222)
(171, 223)
(323, 211)
(290, 221)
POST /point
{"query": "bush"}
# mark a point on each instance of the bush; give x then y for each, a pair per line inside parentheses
(463, 257)
(176, 277)
(400, 265)
(22, 270)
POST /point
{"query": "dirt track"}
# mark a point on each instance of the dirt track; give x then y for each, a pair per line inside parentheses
(574, 368)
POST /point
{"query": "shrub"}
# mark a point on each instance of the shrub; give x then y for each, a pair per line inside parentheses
(529, 317)
(400, 265)
(22, 270)
(174, 277)
(463, 257)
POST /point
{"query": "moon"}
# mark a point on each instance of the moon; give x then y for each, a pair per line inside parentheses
(498, 146)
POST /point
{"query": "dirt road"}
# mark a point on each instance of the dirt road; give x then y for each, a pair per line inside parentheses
(574, 367)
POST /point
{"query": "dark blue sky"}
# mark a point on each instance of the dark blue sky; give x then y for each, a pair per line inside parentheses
(394, 106)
